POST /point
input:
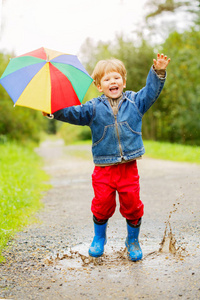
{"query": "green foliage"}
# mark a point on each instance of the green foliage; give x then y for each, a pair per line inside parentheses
(174, 152)
(137, 60)
(175, 116)
(20, 124)
(125, 50)
(178, 109)
(72, 133)
(22, 182)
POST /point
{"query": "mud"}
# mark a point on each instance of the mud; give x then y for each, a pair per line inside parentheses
(49, 260)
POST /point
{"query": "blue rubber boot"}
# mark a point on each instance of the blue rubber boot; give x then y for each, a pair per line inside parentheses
(97, 247)
(132, 242)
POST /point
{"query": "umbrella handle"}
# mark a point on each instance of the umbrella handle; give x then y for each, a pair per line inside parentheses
(50, 116)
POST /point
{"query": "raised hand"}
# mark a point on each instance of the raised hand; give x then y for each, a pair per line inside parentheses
(162, 62)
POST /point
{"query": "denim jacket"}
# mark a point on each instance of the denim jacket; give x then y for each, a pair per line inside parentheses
(115, 138)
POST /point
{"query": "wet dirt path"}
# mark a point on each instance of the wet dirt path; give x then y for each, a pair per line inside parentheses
(49, 260)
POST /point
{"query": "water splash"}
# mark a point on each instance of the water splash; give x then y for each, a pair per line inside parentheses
(168, 243)
(77, 256)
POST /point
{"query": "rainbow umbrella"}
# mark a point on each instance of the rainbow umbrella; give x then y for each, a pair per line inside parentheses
(46, 80)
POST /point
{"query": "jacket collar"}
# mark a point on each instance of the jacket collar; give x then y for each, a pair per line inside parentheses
(104, 98)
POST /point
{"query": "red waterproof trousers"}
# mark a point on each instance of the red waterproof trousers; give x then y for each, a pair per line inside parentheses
(124, 179)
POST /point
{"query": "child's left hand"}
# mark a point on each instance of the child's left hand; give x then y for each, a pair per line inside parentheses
(162, 62)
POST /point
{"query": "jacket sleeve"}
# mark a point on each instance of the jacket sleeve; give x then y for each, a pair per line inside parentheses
(77, 115)
(145, 98)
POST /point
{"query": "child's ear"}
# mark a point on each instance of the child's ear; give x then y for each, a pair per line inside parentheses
(124, 85)
(99, 88)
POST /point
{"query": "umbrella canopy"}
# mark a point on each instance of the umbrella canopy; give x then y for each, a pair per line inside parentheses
(46, 80)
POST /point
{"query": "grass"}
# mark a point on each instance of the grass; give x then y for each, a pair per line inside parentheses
(166, 151)
(22, 182)
(174, 152)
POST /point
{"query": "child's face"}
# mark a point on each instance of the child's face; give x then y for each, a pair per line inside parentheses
(112, 85)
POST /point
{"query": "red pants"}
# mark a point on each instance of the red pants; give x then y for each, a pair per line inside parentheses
(122, 178)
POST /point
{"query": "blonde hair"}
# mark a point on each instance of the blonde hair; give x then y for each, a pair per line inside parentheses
(106, 66)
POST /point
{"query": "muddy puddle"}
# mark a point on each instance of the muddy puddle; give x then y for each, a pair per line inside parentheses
(77, 257)
(115, 253)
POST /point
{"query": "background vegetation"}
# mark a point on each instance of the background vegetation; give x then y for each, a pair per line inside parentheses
(22, 182)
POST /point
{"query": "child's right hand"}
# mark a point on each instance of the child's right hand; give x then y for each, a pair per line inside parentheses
(44, 114)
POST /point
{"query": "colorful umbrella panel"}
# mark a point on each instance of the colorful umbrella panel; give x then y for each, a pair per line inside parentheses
(46, 80)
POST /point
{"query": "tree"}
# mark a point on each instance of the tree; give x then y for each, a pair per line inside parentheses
(158, 7)
(178, 110)
(125, 50)
(166, 16)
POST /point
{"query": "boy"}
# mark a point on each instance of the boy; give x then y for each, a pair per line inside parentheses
(115, 120)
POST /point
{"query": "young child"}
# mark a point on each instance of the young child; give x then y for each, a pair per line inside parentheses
(115, 120)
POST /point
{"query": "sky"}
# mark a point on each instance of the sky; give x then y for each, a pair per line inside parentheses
(64, 25)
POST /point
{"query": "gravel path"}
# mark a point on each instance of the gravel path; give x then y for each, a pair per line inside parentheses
(49, 260)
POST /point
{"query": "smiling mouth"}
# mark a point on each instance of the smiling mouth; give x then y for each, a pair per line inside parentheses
(114, 88)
